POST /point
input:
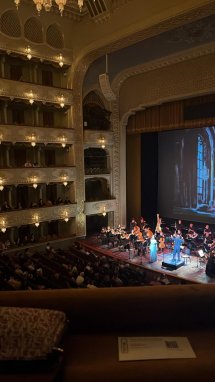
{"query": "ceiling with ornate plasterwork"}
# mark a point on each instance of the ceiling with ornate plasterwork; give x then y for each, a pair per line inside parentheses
(186, 37)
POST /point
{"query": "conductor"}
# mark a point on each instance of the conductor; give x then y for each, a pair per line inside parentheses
(177, 241)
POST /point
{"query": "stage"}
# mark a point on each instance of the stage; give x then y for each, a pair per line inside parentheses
(192, 270)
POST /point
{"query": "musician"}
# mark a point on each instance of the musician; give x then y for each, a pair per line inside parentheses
(179, 226)
(207, 231)
(142, 224)
(177, 241)
(192, 234)
(133, 223)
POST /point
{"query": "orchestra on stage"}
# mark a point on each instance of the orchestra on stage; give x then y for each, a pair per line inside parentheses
(141, 238)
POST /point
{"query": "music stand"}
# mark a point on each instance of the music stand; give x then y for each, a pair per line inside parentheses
(201, 255)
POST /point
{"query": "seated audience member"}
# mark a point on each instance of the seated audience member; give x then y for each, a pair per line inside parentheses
(5, 206)
(27, 164)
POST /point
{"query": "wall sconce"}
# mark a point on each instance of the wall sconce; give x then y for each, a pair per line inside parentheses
(1, 138)
(33, 140)
(1, 184)
(28, 52)
(64, 179)
(31, 98)
(104, 213)
(62, 101)
(63, 141)
(3, 227)
(60, 60)
(36, 220)
(34, 181)
(102, 142)
(66, 218)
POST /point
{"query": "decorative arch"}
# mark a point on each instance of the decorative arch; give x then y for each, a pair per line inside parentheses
(10, 24)
(33, 30)
(54, 36)
(95, 116)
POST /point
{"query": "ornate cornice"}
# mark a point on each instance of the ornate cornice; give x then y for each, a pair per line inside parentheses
(90, 54)
(188, 54)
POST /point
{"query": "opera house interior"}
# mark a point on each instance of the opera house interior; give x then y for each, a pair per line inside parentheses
(107, 147)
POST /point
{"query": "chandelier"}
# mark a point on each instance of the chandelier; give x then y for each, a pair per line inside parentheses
(47, 4)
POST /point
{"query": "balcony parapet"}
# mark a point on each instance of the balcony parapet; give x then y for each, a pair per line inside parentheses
(28, 134)
(37, 175)
(37, 215)
(97, 138)
(100, 207)
(25, 90)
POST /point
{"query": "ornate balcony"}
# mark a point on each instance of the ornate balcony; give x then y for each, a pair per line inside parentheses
(32, 175)
(26, 91)
(100, 207)
(17, 133)
(36, 215)
(97, 138)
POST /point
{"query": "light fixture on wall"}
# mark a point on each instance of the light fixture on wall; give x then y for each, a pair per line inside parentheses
(66, 218)
(60, 60)
(34, 180)
(104, 213)
(62, 101)
(102, 142)
(3, 227)
(36, 220)
(33, 140)
(47, 4)
(64, 179)
(31, 97)
(28, 52)
(63, 141)
(1, 184)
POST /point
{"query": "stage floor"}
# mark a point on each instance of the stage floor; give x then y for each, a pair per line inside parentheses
(193, 269)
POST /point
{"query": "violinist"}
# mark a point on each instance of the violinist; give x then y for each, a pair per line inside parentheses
(142, 223)
(192, 234)
(207, 232)
(133, 223)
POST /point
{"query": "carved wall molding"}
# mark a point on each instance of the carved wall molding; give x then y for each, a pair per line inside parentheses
(153, 30)
(21, 90)
(17, 133)
(37, 175)
(31, 216)
(186, 55)
(100, 176)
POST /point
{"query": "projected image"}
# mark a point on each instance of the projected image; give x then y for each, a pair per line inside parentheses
(187, 174)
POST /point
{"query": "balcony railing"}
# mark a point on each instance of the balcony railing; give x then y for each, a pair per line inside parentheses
(37, 215)
(100, 207)
(35, 175)
(98, 138)
(16, 133)
(22, 90)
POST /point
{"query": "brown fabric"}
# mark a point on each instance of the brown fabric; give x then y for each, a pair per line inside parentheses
(99, 316)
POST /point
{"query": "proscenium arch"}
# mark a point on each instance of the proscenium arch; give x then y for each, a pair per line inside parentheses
(77, 78)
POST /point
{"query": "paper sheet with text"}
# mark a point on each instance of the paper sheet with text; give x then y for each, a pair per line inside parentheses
(143, 348)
